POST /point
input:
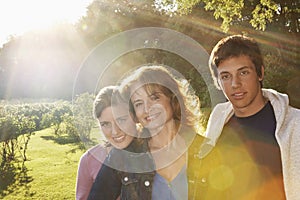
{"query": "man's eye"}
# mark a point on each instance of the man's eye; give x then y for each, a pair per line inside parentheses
(243, 73)
(225, 77)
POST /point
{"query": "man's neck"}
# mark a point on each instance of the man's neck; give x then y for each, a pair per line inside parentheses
(254, 107)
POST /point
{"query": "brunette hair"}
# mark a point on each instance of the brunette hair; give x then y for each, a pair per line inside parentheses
(185, 104)
(107, 96)
(110, 96)
(235, 46)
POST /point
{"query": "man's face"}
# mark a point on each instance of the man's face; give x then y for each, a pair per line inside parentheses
(241, 85)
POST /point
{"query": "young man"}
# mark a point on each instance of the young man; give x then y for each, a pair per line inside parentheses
(256, 134)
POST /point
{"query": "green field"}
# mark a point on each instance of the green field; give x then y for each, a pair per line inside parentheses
(50, 171)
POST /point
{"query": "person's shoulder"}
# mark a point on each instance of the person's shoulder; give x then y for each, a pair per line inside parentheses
(196, 143)
(199, 139)
(221, 109)
(295, 112)
(222, 106)
(281, 100)
(97, 148)
(97, 152)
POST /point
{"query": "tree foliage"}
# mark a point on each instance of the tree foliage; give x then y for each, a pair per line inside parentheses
(19, 121)
(44, 64)
(83, 115)
(55, 117)
(16, 126)
(72, 119)
(258, 13)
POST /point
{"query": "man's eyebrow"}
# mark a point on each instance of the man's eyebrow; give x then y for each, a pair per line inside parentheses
(224, 72)
(239, 69)
(244, 67)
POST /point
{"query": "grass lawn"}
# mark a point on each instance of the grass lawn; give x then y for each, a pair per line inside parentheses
(50, 170)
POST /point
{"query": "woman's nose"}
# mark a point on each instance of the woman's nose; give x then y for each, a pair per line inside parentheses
(148, 106)
(115, 129)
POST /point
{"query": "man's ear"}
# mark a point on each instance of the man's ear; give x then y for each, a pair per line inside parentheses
(262, 73)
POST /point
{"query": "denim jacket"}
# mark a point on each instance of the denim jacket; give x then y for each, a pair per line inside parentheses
(200, 171)
(138, 186)
(127, 174)
(137, 176)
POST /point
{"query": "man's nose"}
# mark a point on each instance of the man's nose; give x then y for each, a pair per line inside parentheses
(235, 81)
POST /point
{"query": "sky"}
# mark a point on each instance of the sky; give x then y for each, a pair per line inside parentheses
(20, 16)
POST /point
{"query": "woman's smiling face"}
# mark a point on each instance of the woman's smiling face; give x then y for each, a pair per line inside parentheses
(153, 110)
(117, 125)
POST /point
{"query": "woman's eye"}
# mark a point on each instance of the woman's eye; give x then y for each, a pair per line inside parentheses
(121, 120)
(136, 105)
(154, 97)
(105, 124)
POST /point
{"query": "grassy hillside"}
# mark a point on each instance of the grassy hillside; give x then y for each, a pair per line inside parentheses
(50, 171)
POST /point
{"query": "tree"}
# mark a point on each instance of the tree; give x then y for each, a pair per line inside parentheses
(40, 60)
(15, 132)
(55, 117)
(258, 13)
(108, 17)
(83, 115)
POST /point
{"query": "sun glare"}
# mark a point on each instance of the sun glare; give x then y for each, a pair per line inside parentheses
(19, 16)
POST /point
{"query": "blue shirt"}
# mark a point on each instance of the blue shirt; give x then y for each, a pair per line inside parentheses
(177, 189)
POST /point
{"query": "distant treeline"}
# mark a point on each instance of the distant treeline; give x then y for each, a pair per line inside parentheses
(19, 121)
